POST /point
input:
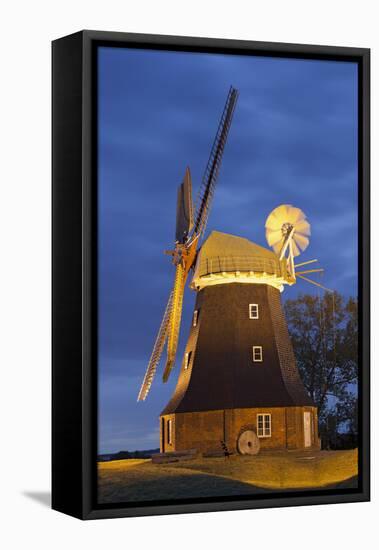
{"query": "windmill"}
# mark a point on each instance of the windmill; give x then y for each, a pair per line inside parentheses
(239, 387)
(190, 228)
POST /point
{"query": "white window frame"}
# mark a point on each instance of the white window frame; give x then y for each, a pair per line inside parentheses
(187, 359)
(259, 358)
(263, 431)
(195, 317)
(169, 431)
(253, 311)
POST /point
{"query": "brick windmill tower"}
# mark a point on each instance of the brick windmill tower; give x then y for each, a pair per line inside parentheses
(238, 382)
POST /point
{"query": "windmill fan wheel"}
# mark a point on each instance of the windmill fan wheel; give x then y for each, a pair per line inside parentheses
(248, 442)
(283, 221)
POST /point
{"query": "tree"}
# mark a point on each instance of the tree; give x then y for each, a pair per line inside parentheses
(347, 413)
(324, 333)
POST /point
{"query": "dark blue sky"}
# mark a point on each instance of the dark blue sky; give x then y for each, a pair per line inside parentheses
(293, 140)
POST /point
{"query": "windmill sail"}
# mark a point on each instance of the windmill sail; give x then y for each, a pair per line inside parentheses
(187, 236)
(175, 319)
(279, 225)
(184, 209)
(287, 231)
(157, 352)
(208, 183)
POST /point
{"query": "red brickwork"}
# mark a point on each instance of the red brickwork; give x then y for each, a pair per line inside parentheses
(204, 431)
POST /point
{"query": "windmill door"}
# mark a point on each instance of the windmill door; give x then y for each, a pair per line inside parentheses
(163, 435)
(307, 429)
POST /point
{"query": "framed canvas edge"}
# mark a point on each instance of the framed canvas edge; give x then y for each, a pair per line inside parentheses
(90, 39)
(231, 45)
(232, 506)
(67, 337)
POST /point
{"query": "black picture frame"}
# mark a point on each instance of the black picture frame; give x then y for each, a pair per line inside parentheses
(74, 294)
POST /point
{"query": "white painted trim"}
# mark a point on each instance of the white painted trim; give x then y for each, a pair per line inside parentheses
(251, 312)
(169, 431)
(248, 277)
(264, 429)
(307, 429)
(187, 359)
(195, 317)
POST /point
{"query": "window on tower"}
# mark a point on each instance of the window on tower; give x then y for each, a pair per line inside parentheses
(187, 359)
(253, 311)
(264, 425)
(195, 317)
(257, 354)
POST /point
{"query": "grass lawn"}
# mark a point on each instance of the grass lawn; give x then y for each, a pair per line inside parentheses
(140, 480)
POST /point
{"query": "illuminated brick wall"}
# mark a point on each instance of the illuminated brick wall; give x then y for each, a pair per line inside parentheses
(204, 430)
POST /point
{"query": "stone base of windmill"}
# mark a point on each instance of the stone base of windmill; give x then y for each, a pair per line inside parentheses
(289, 429)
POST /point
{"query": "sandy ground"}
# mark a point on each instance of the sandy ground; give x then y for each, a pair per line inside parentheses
(140, 480)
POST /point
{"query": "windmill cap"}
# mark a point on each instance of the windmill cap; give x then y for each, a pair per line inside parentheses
(225, 253)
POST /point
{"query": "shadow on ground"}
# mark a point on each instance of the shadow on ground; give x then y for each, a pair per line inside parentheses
(145, 484)
(141, 480)
(42, 497)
